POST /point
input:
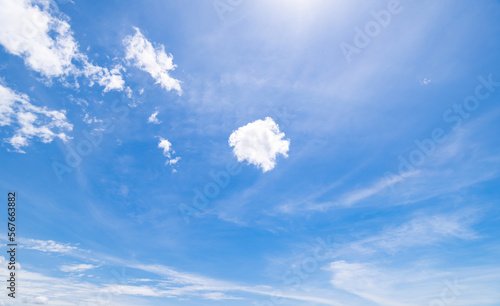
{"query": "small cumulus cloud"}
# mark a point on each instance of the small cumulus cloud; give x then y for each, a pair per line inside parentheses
(259, 143)
(153, 118)
(166, 146)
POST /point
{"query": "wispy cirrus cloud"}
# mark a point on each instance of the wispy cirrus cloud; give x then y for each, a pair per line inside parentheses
(369, 281)
(48, 246)
(423, 230)
(365, 267)
(416, 284)
(478, 163)
(153, 59)
(171, 284)
(182, 285)
(77, 267)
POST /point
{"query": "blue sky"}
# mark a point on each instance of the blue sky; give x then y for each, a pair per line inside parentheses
(252, 152)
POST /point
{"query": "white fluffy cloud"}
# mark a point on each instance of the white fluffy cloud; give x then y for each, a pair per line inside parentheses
(153, 118)
(31, 30)
(259, 143)
(152, 59)
(29, 121)
(166, 146)
(24, 31)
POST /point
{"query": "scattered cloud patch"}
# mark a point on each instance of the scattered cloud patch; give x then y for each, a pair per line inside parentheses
(259, 143)
(166, 146)
(153, 118)
(30, 121)
(109, 79)
(174, 161)
(79, 101)
(152, 59)
(89, 120)
(35, 31)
